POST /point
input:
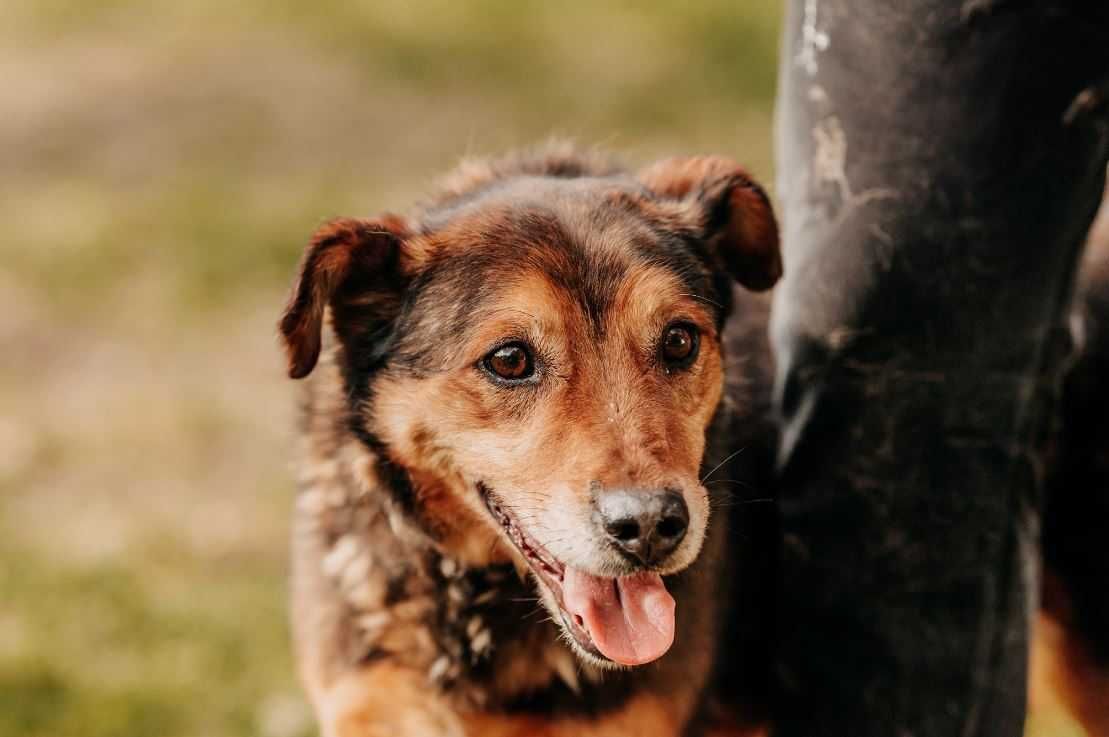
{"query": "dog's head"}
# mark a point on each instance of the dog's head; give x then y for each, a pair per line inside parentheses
(542, 356)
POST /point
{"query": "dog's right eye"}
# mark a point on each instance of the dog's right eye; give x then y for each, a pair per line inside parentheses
(510, 363)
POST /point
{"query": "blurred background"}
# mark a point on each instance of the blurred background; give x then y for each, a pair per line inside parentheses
(161, 166)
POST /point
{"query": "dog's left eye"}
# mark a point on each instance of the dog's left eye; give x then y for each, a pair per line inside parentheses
(679, 345)
(512, 363)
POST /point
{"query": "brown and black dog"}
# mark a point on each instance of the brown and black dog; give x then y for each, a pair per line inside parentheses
(535, 450)
(504, 518)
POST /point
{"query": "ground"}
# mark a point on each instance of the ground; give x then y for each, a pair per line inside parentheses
(161, 165)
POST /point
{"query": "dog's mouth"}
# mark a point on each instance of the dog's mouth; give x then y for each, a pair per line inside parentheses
(627, 620)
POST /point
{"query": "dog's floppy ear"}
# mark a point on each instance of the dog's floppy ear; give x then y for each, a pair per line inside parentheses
(734, 212)
(355, 267)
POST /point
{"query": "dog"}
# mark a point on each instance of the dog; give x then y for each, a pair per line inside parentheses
(511, 440)
(537, 460)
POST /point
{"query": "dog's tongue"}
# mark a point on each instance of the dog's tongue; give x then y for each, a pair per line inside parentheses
(630, 619)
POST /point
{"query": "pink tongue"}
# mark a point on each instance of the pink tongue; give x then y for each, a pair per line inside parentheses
(630, 619)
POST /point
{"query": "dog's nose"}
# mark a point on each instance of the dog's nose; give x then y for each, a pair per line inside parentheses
(645, 524)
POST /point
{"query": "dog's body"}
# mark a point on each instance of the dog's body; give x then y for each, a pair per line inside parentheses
(454, 532)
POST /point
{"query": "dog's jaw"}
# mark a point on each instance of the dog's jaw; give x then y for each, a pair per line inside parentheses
(576, 624)
(548, 572)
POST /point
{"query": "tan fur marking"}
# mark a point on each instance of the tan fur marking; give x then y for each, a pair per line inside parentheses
(1061, 667)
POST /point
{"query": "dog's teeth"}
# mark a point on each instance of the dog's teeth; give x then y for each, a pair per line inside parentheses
(473, 626)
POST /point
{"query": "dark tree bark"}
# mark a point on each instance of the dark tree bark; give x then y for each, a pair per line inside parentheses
(939, 167)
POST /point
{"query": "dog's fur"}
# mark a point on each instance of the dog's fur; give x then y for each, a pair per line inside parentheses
(415, 612)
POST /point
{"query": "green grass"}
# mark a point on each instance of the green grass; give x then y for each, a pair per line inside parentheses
(158, 644)
(220, 100)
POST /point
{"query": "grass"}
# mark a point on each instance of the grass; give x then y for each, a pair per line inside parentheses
(167, 645)
(163, 164)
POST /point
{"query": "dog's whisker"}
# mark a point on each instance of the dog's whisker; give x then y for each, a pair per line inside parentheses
(702, 299)
(721, 463)
(737, 482)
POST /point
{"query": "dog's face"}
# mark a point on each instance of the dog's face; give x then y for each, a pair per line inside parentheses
(543, 359)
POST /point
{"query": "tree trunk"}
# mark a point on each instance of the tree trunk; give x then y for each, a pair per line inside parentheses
(939, 168)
